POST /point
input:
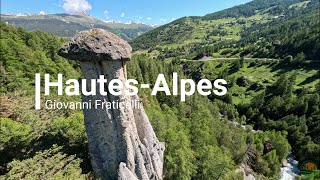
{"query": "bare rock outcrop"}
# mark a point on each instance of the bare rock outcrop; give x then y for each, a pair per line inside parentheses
(96, 45)
(122, 143)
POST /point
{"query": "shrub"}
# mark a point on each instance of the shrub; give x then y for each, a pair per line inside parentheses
(49, 164)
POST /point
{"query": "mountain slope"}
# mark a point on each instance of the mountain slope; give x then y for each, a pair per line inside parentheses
(273, 7)
(290, 36)
(225, 33)
(67, 25)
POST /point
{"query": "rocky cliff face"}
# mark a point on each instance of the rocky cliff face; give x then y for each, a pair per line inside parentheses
(122, 143)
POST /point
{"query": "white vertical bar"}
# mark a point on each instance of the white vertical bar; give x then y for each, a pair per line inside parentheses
(37, 95)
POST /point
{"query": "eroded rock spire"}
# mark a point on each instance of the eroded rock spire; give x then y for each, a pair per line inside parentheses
(122, 143)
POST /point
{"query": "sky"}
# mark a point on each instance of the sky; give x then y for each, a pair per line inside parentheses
(145, 11)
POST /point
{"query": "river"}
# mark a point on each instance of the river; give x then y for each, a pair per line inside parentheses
(291, 171)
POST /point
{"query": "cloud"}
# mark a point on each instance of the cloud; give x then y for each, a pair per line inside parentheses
(138, 18)
(106, 14)
(149, 18)
(75, 6)
(42, 13)
(163, 19)
(122, 14)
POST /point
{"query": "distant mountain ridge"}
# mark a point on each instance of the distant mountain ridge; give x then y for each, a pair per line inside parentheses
(67, 25)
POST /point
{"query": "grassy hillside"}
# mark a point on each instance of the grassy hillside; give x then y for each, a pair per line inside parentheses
(273, 7)
(256, 29)
(287, 37)
(255, 74)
